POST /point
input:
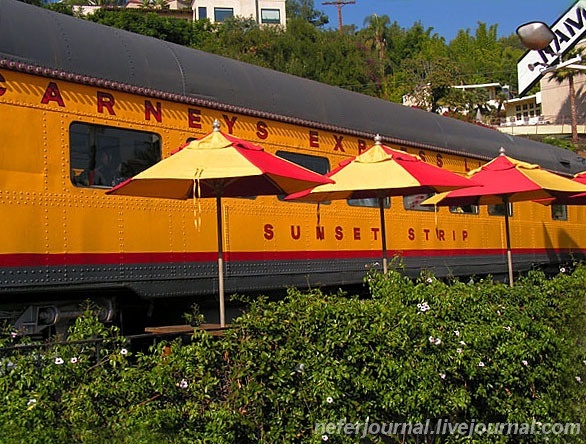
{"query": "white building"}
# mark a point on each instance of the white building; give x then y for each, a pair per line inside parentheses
(267, 12)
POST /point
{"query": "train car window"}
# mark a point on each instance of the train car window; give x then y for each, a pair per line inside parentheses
(559, 212)
(499, 210)
(103, 156)
(371, 203)
(320, 165)
(413, 202)
(465, 209)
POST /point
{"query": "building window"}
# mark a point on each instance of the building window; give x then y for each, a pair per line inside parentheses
(102, 156)
(518, 108)
(270, 16)
(223, 14)
(202, 12)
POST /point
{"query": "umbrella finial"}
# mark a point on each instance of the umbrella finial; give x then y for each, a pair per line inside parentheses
(378, 139)
(216, 125)
(502, 151)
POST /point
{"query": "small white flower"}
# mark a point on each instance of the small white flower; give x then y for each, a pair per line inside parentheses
(525, 363)
(507, 328)
(438, 341)
(183, 384)
(31, 401)
(423, 307)
(459, 350)
(578, 379)
(481, 364)
(73, 360)
(442, 375)
(457, 333)
(13, 334)
(429, 280)
(584, 362)
(324, 438)
(431, 339)
(58, 361)
(562, 270)
(462, 343)
(123, 352)
(329, 399)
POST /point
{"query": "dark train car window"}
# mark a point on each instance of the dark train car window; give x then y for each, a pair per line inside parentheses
(499, 210)
(320, 165)
(559, 212)
(413, 202)
(371, 203)
(103, 156)
(465, 209)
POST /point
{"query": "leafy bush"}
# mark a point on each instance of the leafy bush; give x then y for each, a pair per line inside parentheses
(315, 367)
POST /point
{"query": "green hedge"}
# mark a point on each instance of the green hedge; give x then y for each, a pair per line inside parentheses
(318, 367)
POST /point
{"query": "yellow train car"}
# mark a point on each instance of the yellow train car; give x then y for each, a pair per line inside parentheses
(84, 106)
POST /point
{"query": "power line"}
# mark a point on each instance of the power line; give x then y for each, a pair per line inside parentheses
(339, 4)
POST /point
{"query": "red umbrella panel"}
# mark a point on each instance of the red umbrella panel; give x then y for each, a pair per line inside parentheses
(219, 165)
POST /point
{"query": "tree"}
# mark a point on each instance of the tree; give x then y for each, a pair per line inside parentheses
(305, 9)
(433, 79)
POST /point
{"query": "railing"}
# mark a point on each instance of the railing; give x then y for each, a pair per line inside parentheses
(544, 124)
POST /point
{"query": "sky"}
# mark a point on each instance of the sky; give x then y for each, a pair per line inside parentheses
(447, 17)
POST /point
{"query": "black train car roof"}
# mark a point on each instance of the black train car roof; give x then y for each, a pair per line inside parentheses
(42, 38)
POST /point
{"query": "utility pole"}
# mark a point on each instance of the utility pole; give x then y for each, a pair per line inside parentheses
(339, 4)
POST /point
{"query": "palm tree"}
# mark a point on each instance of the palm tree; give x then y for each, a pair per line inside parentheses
(560, 75)
(376, 37)
(377, 26)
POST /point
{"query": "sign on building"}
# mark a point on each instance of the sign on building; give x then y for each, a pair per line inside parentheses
(569, 29)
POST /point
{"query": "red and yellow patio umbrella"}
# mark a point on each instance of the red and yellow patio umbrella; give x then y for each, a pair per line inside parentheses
(382, 172)
(505, 180)
(219, 165)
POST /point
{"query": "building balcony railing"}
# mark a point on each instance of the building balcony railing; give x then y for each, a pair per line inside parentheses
(539, 125)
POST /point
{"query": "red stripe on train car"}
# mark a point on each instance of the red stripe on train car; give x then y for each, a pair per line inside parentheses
(34, 259)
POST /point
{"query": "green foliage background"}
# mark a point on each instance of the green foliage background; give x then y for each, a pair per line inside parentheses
(412, 351)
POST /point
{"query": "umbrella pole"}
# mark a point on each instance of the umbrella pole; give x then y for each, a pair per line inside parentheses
(381, 205)
(508, 238)
(220, 260)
